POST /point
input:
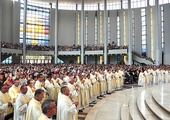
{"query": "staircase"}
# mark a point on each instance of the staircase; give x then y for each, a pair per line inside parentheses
(147, 103)
(141, 60)
(5, 56)
(138, 103)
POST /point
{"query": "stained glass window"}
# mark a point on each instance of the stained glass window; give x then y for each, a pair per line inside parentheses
(37, 23)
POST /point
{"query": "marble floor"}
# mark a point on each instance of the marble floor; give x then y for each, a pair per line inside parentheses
(138, 103)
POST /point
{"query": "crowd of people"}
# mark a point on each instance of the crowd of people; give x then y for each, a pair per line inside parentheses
(11, 45)
(69, 48)
(60, 48)
(28, 47)
(32, 91)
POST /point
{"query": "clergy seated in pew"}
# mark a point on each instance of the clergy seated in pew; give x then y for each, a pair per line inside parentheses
(128, 78)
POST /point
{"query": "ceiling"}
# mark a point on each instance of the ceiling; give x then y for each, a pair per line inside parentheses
(77, 1)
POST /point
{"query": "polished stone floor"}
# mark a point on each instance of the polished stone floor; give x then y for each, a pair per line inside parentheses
(137, 103)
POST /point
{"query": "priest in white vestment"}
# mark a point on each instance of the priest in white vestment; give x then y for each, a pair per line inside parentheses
(5, 102)
(21, 104)
(57, 82)
(166, 76)
(34, 108)
(40, 84)
(48, 109)
(49, 85)
(66, 109)
(14, 90)
(141, 79)
(31, 89)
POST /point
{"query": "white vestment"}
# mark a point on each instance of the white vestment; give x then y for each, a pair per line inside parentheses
(66, 110)
(50, 88)
(20, 108)
(30, 93)
(4, 109)
(141, 79)
(38, 84)
(34, 110)
(14, 92)
(43, 117)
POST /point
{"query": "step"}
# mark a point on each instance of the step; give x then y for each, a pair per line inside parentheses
(144, 110)
(161, 96)
(154, 107)
(134, 111)
(125, 114)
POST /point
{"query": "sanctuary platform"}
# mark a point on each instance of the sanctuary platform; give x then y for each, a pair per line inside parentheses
(138, 103)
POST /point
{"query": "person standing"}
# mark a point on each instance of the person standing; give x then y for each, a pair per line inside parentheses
(34, 108)
(48, 109)
(21, 104)
(31, 89)
(66, 109)
(5, 103)
(14, 90)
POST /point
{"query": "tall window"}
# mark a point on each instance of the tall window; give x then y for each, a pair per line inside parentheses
(125, 39)
(125, 4)
(151, 2)
(124, 23)
(138, 3)
(78, 34)
(143, 21)
(96, 29)
(66, 6)
(74, 28)
(37, 23)
(101, 34)
(133, 29)
(162, 27)
(86, 34)
(91, 7)
(118, 31)
(108, 27)
(101, 28)
(114, 5)
(152, 35)
(164, 1)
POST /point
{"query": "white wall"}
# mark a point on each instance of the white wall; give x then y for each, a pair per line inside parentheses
(148, 31)
(138, 31)
(66, 27)
(113, 26)
(52, 27)
(91, 28)
(16, 22)
(120, 13)
(10, 21)
(6, 20)
(167, 33)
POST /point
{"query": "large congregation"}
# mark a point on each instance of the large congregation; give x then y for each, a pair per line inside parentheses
(32, 91)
